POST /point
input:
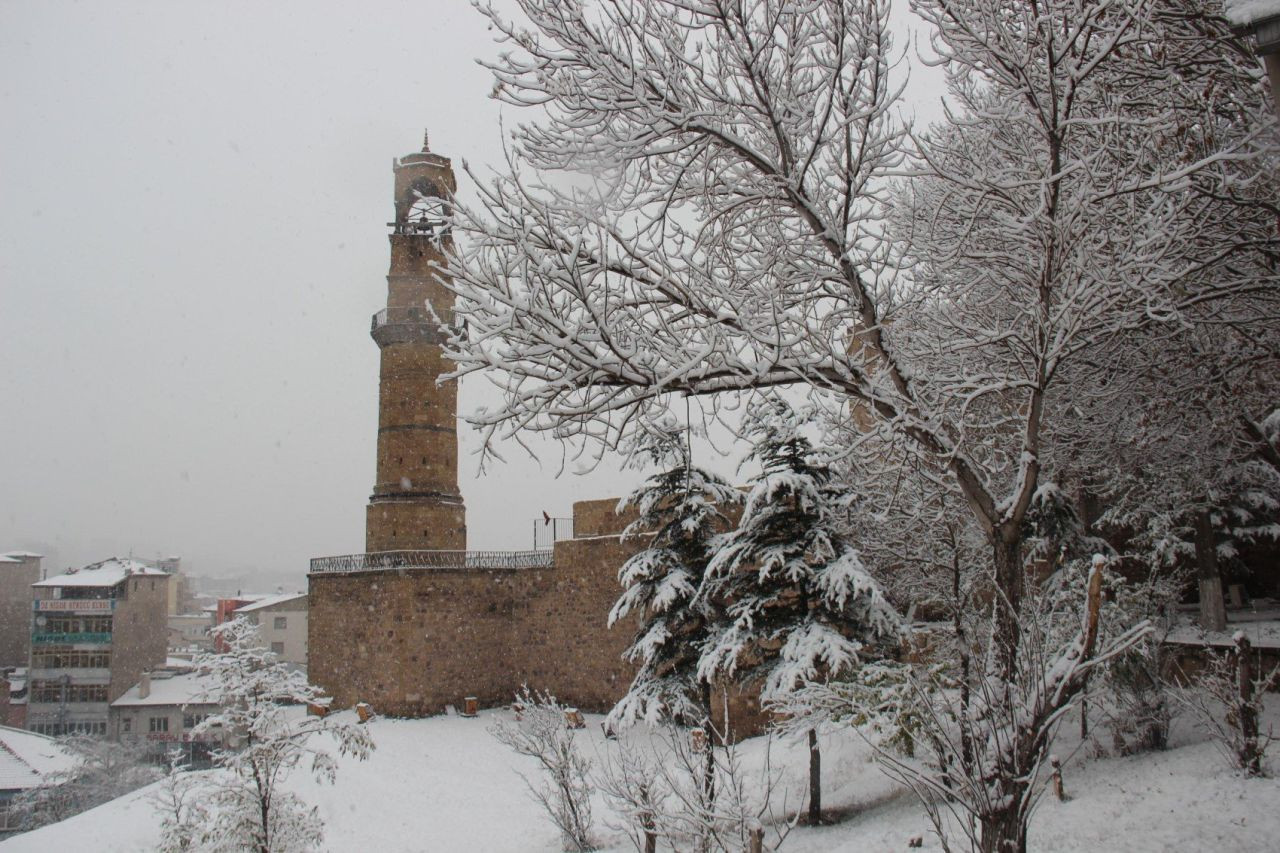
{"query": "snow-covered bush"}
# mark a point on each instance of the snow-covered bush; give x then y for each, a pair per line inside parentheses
(103, 770)
(981, 750)
(543, 732)
(654, 780)
(880, 699)
(1226, 700)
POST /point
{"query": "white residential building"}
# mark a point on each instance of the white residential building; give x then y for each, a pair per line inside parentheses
(282, 621)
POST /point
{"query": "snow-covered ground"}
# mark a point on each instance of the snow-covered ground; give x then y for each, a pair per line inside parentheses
(445, 784)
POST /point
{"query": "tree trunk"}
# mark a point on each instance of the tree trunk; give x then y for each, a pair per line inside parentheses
(709, 766)
(1250, 754)
(1003, 832)
(815, 780)
(1213, 613)
(1007, 601)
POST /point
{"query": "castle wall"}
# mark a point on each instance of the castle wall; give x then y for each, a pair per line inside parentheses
(411, 642)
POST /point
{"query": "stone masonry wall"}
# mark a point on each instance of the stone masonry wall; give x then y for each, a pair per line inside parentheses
(16, 579)
(412, 642)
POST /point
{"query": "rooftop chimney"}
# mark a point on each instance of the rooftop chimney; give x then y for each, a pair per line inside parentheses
(144, 686)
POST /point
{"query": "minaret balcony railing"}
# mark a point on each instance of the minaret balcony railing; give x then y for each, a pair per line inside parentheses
(382, 561)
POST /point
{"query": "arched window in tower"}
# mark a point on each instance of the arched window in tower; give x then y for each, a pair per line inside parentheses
(428, 214)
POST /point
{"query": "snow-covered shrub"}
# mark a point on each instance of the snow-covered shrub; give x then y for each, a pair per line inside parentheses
(982, 750)
(879, 699)
(1226, 700)
(543, 733)
(103, 770)
(655, 783)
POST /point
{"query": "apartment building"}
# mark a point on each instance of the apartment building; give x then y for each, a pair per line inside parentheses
(95, 631)
(282, 622)
(18, 571)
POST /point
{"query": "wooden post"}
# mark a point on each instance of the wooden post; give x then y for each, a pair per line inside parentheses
(1250, 755)
(573, 719)
(1058, 789)
(815, 780)
(470, 706)
(756, 840)
(364, 711)
(698, 740)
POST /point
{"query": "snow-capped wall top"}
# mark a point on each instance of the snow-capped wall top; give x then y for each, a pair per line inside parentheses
(1244, 12)
(107, 573)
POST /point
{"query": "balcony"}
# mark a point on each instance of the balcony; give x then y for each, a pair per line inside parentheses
(382, 561)
(401, 324)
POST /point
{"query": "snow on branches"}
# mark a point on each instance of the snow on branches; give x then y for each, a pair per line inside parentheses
(262, 705)
(680, 511)
(800, 604)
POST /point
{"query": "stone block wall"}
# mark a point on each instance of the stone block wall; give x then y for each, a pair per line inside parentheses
(411, 642)
(17, 574)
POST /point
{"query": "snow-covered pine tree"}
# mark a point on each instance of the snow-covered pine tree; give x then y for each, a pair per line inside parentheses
(680, 509)
(800, 604)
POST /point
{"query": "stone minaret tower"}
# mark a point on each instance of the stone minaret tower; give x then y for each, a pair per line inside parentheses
(416, 504)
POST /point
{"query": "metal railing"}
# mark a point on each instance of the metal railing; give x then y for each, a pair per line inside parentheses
(382, 561)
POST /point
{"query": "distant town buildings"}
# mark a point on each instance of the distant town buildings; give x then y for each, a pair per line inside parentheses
(18, 571)
(188, 631)
(282, 623)
(95, 631)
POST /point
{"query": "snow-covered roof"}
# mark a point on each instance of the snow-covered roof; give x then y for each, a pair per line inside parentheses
(271, 601)
(21, 554)
(26, 758)
(5, 558)
(1241, 13)
(107, 573)
(187, 688)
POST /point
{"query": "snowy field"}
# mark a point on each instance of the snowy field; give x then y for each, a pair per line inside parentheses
(445, 784)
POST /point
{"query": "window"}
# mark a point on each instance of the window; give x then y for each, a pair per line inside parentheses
(277, 648)
(57, 691)
(190, 721)
(126, 725)
(158, 724)
(280, 623)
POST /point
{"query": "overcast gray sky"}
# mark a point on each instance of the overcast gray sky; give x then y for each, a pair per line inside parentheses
(193, 198)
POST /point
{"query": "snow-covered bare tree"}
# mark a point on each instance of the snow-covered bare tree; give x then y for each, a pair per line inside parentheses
(801, 607)
(541, 732)
(179, 800)
(262, 706)
(718, 228)
(680, 511)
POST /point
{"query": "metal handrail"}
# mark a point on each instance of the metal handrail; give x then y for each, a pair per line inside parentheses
(381, 561)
